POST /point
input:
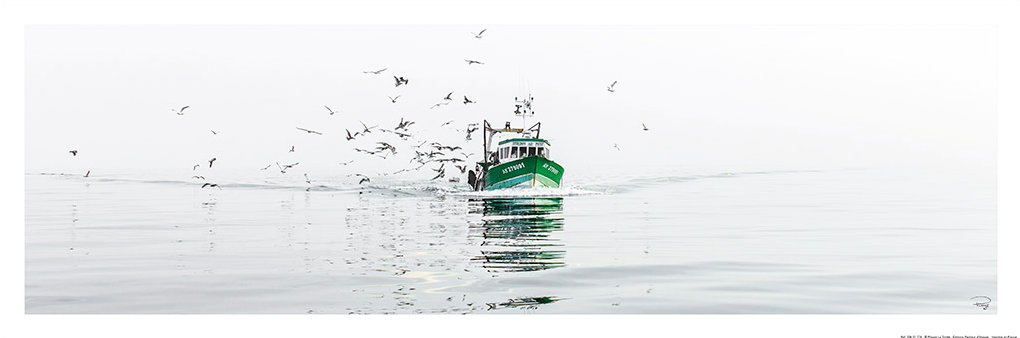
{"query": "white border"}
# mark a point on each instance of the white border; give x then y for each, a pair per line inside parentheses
(14, 15)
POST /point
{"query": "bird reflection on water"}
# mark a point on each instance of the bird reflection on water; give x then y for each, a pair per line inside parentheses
(516, 234)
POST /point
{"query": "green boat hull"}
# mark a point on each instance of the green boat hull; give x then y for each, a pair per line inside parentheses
(532, 171)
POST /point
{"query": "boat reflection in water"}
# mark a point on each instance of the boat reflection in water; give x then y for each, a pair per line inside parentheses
(516, 234)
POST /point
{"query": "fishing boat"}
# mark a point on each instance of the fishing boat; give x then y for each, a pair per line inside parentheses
(515, 157)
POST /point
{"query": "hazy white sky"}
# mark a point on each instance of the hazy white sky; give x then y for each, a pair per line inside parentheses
(791, 97)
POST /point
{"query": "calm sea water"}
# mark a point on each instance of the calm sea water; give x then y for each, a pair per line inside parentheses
(674, 241)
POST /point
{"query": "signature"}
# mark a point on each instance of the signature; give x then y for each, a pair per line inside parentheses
(981, 301)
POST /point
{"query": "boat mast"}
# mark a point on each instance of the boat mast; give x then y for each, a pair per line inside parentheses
(524, 109)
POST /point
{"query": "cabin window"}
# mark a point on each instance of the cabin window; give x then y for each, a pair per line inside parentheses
(541, 152)
(531, 151)
(513, 152)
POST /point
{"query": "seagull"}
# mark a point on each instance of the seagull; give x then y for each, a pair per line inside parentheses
(400, 80)
(367, 128)
(283, 168)
(643, 126)
(393, 99)
(87, 173)
(195, 167)
(180, 112)
(447, 98)
(469, 131)
(74, 152)
(402, 135)
(403, 124)
(267, 167)
(211, 185)
(214, 132)
(439, 104)
(363, 178)
(447, 122)
(441, 147)
(349, 136)
(384, 146)
(463, 168)
(479, 35)
(199, 177)
(307, 180)
(442, 173)
(308, 131)
(210, 162)
(470, 62)
(466, 101)
(365, 151)
(346, 163)
(291, 149)
(610, 88)
(331, 112)
(375, 71)
(614, 146)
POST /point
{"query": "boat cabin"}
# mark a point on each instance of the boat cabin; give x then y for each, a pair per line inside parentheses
(518, 148)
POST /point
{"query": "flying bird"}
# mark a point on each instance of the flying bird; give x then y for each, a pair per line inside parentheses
(447, 98)
(383, 146)
(466, 100)
(180, 112)
(87, 173)
(349, 136)
(199, 177)
(283, 168)
(393, 99)
(291, 149)
(479, 35)
(463, 168)
(364, 151)
(267, 167)
(214, 132)
(400, 81)
(439, 104)
(471, 62)
(441, 147)
(614, 146)
(403, 124)
(442, 173)
(363, 178)
(308, 131)
(211, 185)
(346, 163)
(447, 122)
(331, 112)
(74, 152)
(210, 162)
(367, 128)
(195, 167)
(610, 88)
(469, 131)
(644, 127)
(307, 180)
(375, 71)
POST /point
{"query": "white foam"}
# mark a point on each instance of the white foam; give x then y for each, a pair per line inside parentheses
(529, 192)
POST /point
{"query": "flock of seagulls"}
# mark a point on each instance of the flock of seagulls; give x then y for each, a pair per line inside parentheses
(433, 153)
